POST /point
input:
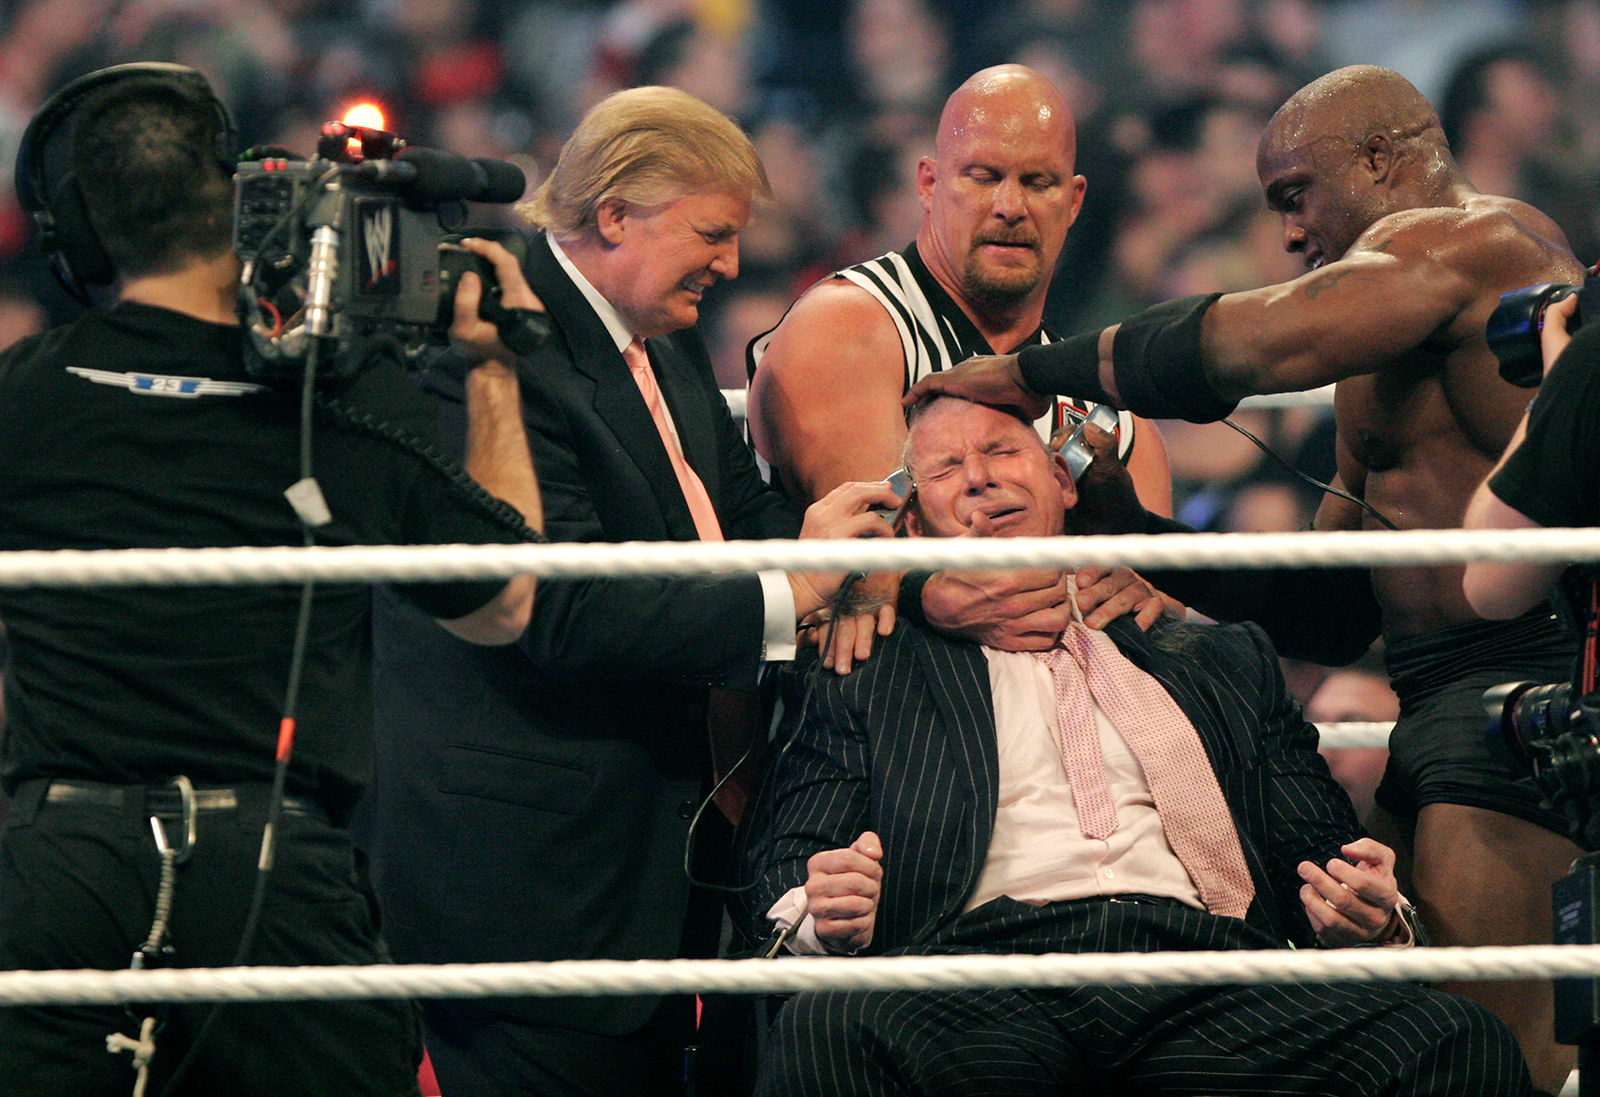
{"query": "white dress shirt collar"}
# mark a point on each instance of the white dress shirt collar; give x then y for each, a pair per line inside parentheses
(609, 316)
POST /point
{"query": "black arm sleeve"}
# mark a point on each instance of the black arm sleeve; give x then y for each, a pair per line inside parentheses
(1066, 367)
(1326, 615)
(1156, 356)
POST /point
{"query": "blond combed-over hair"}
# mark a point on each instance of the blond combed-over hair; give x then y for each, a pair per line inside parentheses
(645, 146)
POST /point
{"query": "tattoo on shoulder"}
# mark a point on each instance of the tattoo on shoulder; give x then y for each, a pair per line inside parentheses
(1332, 277)
(1318, 286)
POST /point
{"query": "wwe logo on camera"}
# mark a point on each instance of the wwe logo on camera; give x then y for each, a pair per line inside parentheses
(379, 267)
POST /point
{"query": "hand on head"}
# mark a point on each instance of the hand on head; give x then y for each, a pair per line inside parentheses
(994, 380)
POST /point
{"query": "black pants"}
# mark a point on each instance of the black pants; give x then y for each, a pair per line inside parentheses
(1372, 1039)
(77, 890)
(479, 1052)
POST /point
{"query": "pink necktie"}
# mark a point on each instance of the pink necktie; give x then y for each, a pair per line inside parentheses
(1198, 824)
(731, 715)
(694, 492)
(1080, 744)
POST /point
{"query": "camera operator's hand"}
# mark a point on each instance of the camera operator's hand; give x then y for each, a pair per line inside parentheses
(474, 338)
(1553, 333)
(497, 455)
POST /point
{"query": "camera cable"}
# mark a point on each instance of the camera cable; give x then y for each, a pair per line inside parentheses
(1312, 480)
(839, 602)
(306, 498)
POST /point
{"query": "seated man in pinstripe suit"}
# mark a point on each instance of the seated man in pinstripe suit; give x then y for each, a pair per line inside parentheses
(926, 807)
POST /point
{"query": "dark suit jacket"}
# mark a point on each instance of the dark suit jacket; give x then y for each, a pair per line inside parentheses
(905, 746)
(532, 801)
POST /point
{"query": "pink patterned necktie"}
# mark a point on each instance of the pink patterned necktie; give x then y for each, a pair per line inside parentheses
(731, 715)
(1194, 815)
(1080, 744)
(694, 492)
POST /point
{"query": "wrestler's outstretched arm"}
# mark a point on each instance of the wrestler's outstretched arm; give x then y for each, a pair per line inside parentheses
(1411, 277)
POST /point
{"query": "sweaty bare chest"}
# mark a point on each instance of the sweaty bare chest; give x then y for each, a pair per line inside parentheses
(1385, 417)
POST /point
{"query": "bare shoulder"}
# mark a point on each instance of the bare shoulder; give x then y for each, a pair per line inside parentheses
(833, 322)
(834, 369)
(1487, 239)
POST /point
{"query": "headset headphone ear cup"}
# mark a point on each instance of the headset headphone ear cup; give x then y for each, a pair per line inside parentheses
(59, 212)
(77, 246)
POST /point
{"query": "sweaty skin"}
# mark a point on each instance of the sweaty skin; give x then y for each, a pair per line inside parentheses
(998, 197)
(1398, 321)
(1408, 261)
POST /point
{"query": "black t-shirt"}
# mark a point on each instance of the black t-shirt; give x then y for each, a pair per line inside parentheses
(139, 428)
(1554, 476)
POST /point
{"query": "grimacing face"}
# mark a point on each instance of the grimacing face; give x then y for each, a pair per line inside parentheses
(1000, 196)
(983, 472)
(669, 255)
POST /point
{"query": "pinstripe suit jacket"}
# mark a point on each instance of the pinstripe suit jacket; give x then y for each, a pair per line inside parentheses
(906, 747)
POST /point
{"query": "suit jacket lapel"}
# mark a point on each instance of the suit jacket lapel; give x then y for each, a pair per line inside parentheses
(616, 396)
(1227, 747)
(1233, 751)
(958, 680)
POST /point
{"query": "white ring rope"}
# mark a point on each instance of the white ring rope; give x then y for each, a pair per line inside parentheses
(738, 400)
(593, 978)
(598, 977)
(1309, 398)
(188, 567)
(1354, 733)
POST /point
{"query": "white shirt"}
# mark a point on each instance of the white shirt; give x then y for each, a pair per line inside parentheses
(1038, 851)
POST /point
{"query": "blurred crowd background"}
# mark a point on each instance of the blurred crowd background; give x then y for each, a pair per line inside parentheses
(841, 97)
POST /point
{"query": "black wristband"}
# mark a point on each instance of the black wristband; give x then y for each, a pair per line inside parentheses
(908, 603)
(1158, 367)
(1067, 367)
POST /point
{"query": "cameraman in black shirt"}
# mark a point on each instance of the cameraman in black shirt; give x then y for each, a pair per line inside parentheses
(140, 716)
(1549, 475)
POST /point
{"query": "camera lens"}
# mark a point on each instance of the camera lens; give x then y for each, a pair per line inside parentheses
(1574, 765)
(1543, 712)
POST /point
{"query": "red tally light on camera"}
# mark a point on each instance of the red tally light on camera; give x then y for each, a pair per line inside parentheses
(366, 115)
(363, 126)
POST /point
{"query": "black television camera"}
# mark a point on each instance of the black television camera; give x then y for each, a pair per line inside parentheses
(1513, 330)
(353, 252)
(1553, 731)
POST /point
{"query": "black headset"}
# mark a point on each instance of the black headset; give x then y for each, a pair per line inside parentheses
(57, 207)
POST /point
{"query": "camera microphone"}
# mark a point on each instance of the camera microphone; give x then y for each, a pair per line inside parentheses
(503, 181)
(395, 173)
(433, 175)
(428, 175)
